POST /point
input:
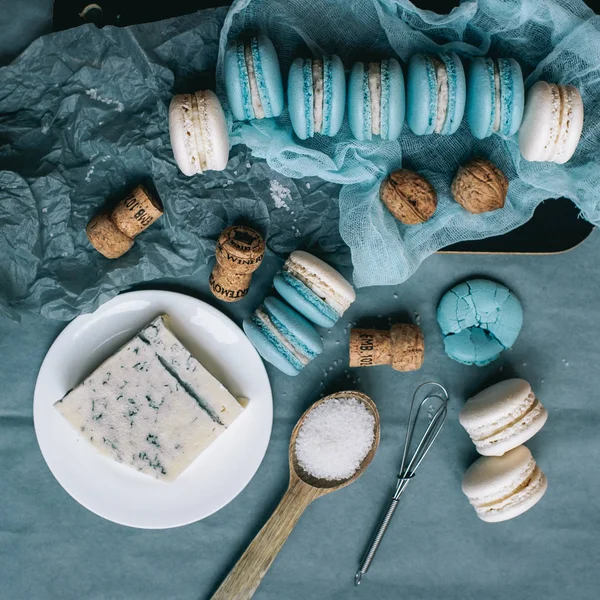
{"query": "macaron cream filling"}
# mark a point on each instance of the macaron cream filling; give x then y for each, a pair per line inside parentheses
(441, 76)
(297, 353)
(309, 295)
(496, 96)
(203, 139)
(566, 114)
(317, 89)
(249, 54)
(191, 146)
(374, 77)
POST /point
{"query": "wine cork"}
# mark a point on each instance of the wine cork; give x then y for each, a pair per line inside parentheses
(106, 238)
(112, 233)
(402, 347)
(240, 251)
(136, 212)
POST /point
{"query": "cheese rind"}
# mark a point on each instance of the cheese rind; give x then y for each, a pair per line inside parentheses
(141, 406)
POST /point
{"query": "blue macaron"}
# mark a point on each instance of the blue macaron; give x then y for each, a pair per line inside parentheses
(479, 319)
(253, 79)
(435, 94)
(376, 100)
(282, 336)
(316, 96)
(496, 97)
(314, 288)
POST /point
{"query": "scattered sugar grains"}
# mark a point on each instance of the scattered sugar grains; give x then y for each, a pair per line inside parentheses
(335, 438)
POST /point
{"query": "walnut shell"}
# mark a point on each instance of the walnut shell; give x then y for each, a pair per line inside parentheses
(480, 186)
(408, 196)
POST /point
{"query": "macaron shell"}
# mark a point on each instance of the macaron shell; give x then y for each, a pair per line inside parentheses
(335, 99)
(575, 127)
(358, 101)
(238, 89)
(299, 300)
(324, 275)
(266, 349)
(297, 101)
(512, 95)
(178, 134)
(535, 127)
(215, 129)
(457, 93)
(473, 347)
(479, 99)
(295, 323)
(392, 119)
(268, 75)
(421, 95)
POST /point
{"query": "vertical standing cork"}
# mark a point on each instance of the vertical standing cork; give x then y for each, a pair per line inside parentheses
(402, 347)
(240, 251)
(112, 233)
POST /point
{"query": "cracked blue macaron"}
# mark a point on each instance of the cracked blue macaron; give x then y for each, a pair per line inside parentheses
(436, 93)
(314, 288)
(316, 96)
(479, 319)
(282, 336)
(253, 79)
(496, 97)
(376, 100)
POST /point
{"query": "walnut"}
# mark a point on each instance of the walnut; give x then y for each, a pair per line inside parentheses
(480, 186)
(408, 196)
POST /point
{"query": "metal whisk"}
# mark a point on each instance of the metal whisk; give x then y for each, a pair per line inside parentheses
(410, 463)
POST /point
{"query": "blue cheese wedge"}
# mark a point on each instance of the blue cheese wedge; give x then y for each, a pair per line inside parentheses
(137, 410)
(210, 393)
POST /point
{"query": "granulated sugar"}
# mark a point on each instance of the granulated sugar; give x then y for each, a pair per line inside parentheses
(335, 438)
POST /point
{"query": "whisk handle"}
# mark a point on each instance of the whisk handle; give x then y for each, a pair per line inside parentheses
(376, 541)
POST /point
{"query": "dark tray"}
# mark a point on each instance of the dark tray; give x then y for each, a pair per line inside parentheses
(555, 226)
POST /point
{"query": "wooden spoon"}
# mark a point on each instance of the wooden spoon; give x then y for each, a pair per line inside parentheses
(246, 575)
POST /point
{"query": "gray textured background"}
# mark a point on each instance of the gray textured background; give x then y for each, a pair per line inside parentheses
(52, 548)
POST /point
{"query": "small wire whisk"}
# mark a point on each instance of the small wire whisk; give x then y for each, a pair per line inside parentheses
(437, 407)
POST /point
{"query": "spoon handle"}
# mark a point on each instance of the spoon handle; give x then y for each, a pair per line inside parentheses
(246, 575)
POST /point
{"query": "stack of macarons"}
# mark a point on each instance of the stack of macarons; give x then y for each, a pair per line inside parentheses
(506, 481)
(281, 332)
(437, 96)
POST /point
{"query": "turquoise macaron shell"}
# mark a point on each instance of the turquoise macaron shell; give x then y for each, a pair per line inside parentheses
(268, 78)
(301, 97)
(393, 101)
(479, 319)
(512, 91)
(481, 101)
(304, 300)
(422, 94)
(296, 329)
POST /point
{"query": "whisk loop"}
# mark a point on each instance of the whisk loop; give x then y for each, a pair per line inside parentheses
(410, 460)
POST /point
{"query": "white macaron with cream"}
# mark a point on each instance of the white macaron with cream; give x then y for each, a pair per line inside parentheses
(503, 417)
(552, 122)
(198, 131)
(503, 487)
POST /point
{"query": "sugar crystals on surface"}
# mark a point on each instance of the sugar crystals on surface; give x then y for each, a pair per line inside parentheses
(335, 438)
(279, 194)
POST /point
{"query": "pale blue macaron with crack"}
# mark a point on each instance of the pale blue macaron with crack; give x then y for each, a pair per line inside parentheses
(253, 79)
(495, 97)
(282, 336)
(316, 96)
(314, 288)
(376, 100)
(436, 93)
(479, 319)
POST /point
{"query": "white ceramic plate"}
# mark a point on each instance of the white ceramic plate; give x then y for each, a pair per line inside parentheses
(117, 492)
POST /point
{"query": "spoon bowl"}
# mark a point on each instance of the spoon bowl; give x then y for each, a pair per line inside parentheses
(329, 485)
(246, 575)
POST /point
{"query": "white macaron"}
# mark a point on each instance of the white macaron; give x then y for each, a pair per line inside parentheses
(552, 122)
(503, 417)
(199, 136)
(504, 487)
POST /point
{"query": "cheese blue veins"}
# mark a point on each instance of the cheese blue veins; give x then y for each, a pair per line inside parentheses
(151, 406)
